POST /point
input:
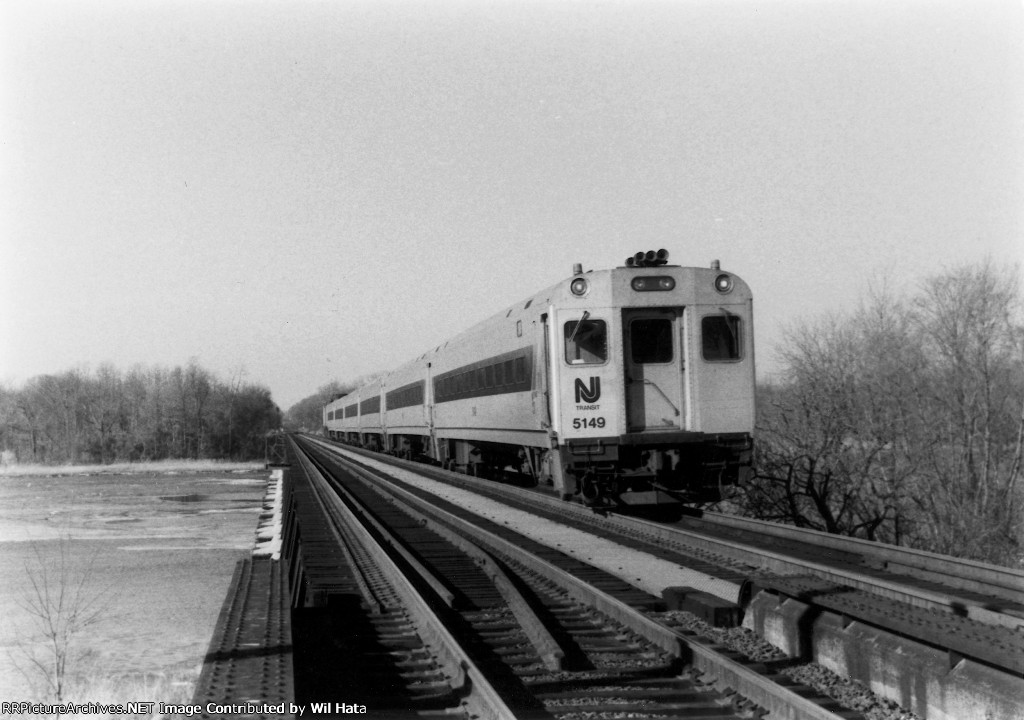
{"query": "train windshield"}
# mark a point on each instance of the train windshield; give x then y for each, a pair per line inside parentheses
(650, 340)
(720, 337)
(586, 342)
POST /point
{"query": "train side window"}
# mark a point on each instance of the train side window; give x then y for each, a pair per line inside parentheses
(499, 374)
(586, 342)
(720, 337)
(650, 340)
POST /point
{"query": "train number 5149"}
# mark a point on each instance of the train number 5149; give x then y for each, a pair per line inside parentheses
(584, 423)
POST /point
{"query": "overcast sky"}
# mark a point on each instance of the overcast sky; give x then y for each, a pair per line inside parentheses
(318, 190)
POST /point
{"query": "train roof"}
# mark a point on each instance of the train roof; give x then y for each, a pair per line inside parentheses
(543, 297)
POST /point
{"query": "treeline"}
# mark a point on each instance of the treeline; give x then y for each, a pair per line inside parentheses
(307, 414)
(153, 413)
(903, 421)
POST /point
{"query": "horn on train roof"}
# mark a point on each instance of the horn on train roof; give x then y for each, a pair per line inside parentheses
(651, 258)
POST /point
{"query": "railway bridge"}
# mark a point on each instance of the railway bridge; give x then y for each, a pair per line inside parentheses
(391, 588)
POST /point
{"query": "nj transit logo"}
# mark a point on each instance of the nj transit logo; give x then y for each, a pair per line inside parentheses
(590, 394)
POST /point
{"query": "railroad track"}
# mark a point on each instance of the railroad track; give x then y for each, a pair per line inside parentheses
(973, 618)
(984, 592)
(394, 653)
(548, 642)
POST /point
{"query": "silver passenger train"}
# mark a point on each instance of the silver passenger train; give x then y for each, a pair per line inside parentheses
(625, 387)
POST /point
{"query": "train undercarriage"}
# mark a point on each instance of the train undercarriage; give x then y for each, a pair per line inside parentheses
(637, 471)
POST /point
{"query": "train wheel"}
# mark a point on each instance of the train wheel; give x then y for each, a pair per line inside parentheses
(590, 489)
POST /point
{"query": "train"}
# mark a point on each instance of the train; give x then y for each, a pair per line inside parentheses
(626, 387)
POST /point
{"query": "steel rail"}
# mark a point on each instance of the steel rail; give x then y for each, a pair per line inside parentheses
(435, 583)
(549, 650)
(478, 695)
(783, 564)
(343, 539)
(751, 680)
(963, 574)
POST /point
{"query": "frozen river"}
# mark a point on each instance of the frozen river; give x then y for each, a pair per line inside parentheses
(155, 550)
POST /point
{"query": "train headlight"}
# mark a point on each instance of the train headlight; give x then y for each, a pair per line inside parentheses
(578, 286)
(649, 283)
(723, 283)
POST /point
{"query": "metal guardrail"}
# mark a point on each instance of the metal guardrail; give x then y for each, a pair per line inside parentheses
(249, 661)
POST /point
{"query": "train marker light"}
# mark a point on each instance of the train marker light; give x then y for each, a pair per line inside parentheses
(578, 287)
(651, 283)
(723, 283)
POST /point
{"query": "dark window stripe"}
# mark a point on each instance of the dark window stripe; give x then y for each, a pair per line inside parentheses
(405, 396)
(506, 373)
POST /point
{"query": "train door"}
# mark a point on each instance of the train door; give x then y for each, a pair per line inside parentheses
(653, 364)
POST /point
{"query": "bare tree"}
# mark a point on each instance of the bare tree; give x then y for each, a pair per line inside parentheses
(54, 407)
(137, 394)
(147, 415)
(105, 409)
(904, 421)
(233, 390)
(63, 601)
(198, 389)
(828, 439)
(968, 321)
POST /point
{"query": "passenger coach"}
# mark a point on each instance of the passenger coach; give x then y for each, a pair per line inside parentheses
(627, 386)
